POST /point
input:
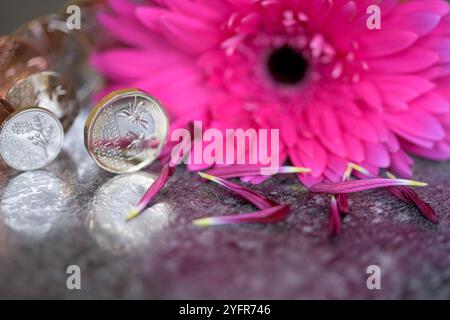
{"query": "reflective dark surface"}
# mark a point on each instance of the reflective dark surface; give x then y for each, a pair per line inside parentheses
(74, 213)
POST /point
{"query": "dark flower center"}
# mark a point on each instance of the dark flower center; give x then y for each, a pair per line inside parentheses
(287, 65)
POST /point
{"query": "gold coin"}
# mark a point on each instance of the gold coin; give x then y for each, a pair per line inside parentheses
(126, 131)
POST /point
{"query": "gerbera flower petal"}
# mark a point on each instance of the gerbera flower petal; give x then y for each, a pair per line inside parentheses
(353, 186)
(342, 203)
(235, 171)
(257, 199)
(408, 195)
(388, 43)
(403, 193)
(130, 33)
(167, 171)
(399, 63)
(334, 227)
(193, 9)
(348, 93)
(424, 207)
(269, 215)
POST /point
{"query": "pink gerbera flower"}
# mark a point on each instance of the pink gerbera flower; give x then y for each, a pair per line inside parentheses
(338, 91)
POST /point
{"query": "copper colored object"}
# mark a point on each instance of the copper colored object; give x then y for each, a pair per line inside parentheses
(6, 109)
(48, 90)
(18, 59)
(67, 51)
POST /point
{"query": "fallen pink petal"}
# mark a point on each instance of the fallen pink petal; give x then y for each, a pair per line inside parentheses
(353, 186)
(257, 199)
(342, 203)
(408, 195)
(334, 227)
(269, 215)
(237, 171)
(166, 172)
(405, 194)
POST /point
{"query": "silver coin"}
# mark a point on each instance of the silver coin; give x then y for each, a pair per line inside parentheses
(30, 139)
(126, 131)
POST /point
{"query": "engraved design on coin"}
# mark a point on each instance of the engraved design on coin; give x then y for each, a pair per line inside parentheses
(137, 139)
(128, 132)
(136, 113)
(31, 139)
(38, 132)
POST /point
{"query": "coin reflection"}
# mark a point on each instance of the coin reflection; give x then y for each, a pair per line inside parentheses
(33, 202)
(109, 209)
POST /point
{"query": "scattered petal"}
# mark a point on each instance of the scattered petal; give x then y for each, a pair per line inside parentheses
(403, 193)
(334, 227)
(166, 172)
(362, 185)
(269, 215)
(257, 199)
(236, 171)
(342, 202)
(408, 195)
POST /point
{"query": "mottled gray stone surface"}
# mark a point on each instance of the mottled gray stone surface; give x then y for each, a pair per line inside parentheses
(73, 213)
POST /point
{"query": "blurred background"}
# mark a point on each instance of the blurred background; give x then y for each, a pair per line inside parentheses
(15, 12)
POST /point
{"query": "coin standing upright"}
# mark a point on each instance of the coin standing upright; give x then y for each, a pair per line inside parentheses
(30, 138)
(126, 131)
